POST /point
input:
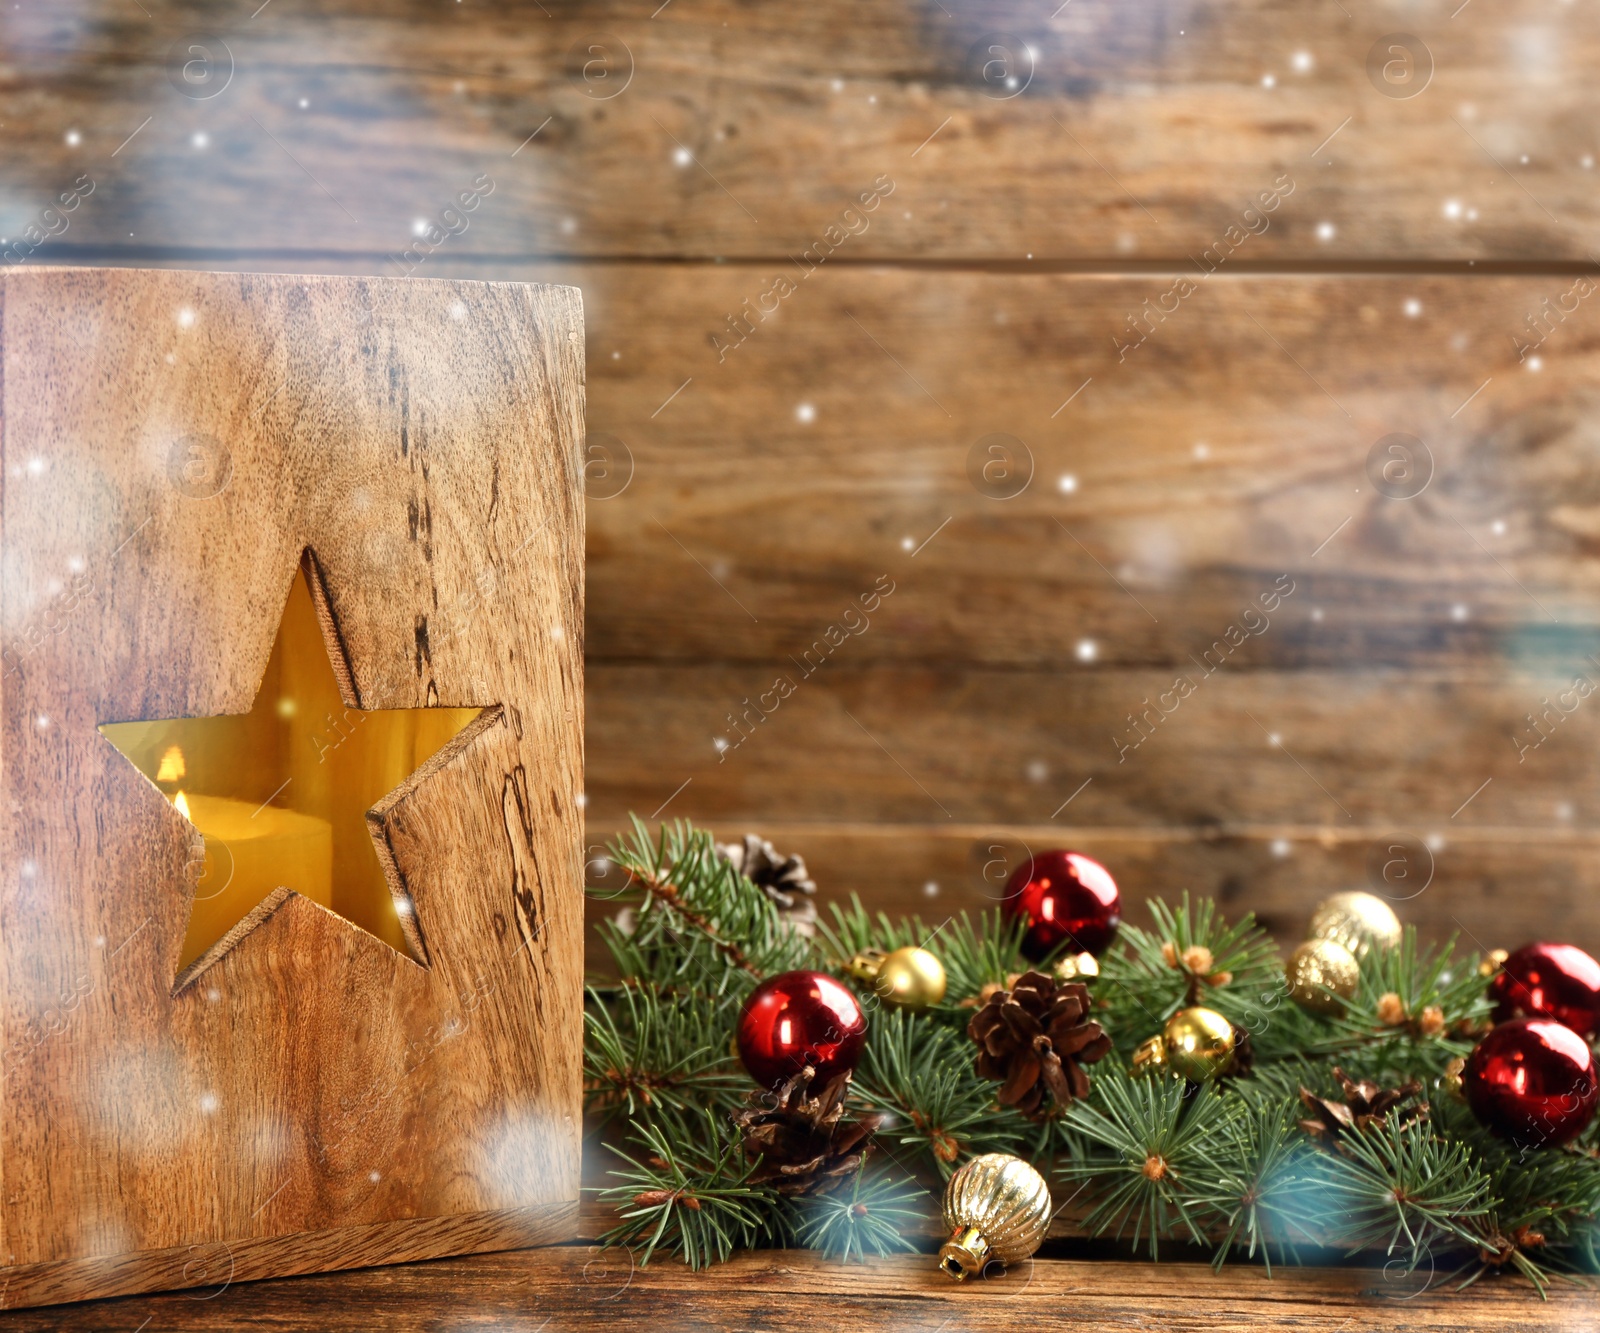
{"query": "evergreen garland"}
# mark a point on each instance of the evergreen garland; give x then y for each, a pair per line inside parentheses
(1224, 1165)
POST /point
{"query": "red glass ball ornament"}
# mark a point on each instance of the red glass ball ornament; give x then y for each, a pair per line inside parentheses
(1549, 981)
(1066, 898)
(797, 1019)
(1532, 1081)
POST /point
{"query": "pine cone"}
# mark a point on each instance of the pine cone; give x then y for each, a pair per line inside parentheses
(804, 1143)
(1365, 1104)
(1036, 1038)
(782, 878)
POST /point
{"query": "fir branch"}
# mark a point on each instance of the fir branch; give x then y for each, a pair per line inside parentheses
(695, 916)
(1413, 1012)
(1283, 1033)
(1402, 1182)
(974, 955)
(922, 1074)
(645, 1050)
(877, 1216)
(1193, 956)
(1249, 1181)
(1159, 1135)
(698, 1205)
(653, 868)
(854, 930)
(1547, 1198)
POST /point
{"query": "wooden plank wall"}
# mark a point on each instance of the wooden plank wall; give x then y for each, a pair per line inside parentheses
(1197, 261)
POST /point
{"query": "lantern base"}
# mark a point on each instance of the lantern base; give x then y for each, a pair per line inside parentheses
(218, 1264)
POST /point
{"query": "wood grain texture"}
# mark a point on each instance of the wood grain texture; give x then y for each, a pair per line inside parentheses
(584, 1288)
(1225, 451)
(1137, 128)
(209, 1268)
(1348, 751)
(424, 441)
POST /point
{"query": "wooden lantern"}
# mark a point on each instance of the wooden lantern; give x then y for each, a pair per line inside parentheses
(224, 493)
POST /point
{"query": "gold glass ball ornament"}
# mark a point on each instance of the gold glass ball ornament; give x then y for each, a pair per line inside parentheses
(997, 1208)
(1322, 975)
(1199, 1043)
(908, 978)
(1359, 921)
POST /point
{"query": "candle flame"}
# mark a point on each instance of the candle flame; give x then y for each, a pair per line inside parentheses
(181, 804)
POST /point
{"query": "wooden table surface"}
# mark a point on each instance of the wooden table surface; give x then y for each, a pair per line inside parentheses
(582, 1286)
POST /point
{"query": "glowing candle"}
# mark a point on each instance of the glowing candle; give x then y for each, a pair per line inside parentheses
(250, 851)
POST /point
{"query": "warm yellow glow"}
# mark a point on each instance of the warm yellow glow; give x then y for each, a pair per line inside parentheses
(172, 769)
(281, 793)
(250, 851)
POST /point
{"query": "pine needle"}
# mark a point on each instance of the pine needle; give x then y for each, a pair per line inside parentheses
(923, 1076)
(876, 1216)
(699, 1205)
(1157, 1136)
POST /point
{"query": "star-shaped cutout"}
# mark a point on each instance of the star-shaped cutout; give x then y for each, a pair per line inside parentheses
(281, 794)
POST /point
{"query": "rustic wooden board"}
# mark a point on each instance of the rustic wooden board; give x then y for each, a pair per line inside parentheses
(583, 1288)
(424, 442)
(1142, 129)
(1353, 751)
(1231, 448)
(887, 779)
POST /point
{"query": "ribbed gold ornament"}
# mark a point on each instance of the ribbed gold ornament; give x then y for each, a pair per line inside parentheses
(1321, 976)
(1359, 921)
(1199, 1043)
(997, 1208)
(908, 978)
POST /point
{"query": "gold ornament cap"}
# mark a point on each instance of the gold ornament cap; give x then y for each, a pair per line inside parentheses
(1150, 1057)
(1078, 967)
(908, 978)
(1322, 975)
(1492, 962)
(866, 965)
(1359, 921)
(1199, 1043)
(997, 1208)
